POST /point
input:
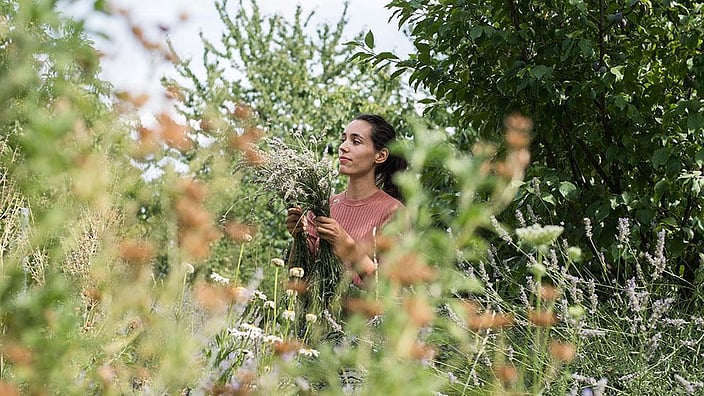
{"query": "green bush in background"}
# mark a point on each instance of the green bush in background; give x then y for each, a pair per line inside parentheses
(613, 88)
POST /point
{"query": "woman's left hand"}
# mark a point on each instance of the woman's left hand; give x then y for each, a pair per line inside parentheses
(343, 244)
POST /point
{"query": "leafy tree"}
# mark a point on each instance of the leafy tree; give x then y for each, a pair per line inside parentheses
(613, 89)
(271, 73)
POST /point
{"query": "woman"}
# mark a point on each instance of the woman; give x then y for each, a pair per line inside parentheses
(371, 197)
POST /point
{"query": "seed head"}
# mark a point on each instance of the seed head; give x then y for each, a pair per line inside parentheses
(296, 272)
(367, 308)
(542, 318)
(277, 262)
(136, 252)
(410, 269)
(562, 351)
(419, 311)
(311, 318)
(506, 373)
(288, 315)
(538, 235)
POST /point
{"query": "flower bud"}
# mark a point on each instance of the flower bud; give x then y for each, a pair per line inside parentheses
(277, 262)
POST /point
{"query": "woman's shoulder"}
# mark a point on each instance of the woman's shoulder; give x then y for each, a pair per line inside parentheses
(388, 200)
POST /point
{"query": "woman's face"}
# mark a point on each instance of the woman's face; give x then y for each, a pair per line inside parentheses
(357, 153)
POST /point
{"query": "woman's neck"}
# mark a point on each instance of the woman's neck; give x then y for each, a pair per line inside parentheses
(360, 188)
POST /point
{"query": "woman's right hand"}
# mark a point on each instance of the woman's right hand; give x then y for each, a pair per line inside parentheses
(294, 220)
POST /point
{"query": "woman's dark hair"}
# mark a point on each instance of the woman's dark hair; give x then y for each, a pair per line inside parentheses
(383, 135)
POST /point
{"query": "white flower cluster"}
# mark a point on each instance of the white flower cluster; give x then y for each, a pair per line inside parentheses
(309, 352)
(289, 315)
(539, 235)
(217, 278)
(259, 295)
(246, 331)
(297, 174)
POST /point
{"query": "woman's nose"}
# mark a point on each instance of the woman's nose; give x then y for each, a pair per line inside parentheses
(343, 147)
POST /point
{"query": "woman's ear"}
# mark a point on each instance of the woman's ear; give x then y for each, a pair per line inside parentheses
(381, 156)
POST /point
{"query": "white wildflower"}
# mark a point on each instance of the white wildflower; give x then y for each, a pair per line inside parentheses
(591, 333)
(273, 339)
(217, 278)
(685, 384)
(189, 268)
(311, 318)
(689, 343)
(309, 352)
(277, 262)
(257, 294)
(633, 299)
(519, 217)
(676, 323)
(288, 315)
(296, 272)
(588, 227)
(237, 333)
(624, 230)
(270, 304)
(538, 235)
(500, 230)
(451, 378)
(331, 321)
(628, 377)
(600, 387)
(574, 253)
(658, 260)
(246, 331)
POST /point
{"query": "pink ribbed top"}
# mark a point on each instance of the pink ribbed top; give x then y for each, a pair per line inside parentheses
(359, 217)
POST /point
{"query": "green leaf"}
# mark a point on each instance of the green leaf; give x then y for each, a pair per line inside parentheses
(586, 48)
(549, 198)
(567, 189)
(540, 71)
(99, 5)
(660, 157)
(660, 188)
(579, 4)
(620, 101)
(695, 121)
(617, 71)
(670, 221)
(369, 39)
(385, 55)
(397, 73)
(475, 32)
(699, 157)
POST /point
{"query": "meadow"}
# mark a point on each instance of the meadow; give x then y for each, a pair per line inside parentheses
(183, 284)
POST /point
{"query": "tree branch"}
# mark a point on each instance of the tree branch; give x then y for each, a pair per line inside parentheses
(595, 164)
(516, 21)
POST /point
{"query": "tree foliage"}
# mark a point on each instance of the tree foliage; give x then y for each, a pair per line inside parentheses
(613, 88)
(281, 76)
(292, 78)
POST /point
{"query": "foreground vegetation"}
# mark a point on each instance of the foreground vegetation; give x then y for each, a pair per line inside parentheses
(113, 285)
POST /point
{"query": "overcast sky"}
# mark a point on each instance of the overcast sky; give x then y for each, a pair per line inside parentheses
(130, 68)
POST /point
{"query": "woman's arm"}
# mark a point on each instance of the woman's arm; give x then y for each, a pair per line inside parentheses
(344, 247)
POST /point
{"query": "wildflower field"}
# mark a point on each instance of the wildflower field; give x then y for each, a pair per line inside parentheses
(550, 243)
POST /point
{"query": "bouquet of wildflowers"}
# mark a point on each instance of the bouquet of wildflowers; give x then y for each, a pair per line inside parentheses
(301, 177)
